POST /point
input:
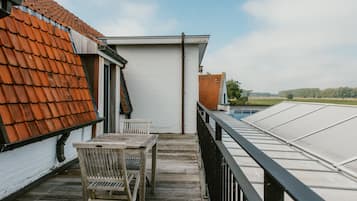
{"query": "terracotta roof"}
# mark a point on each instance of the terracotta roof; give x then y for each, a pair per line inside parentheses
(43, 87)
(57, 13)
(209, 90)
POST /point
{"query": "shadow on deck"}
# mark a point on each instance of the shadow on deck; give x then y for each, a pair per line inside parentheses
(178, 175)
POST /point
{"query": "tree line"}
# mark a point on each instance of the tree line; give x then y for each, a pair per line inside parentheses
(340, 92)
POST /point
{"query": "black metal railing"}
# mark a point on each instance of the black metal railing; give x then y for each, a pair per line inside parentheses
(224, 177)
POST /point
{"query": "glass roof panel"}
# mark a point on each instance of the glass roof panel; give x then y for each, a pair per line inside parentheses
(287, 115)
(268, 112)
(336, 144)
(314, 121)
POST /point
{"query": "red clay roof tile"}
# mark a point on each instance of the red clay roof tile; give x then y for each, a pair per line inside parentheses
(10, 56)
(33, 129)
(39, 79)
(16, 112)
(44, 78)
(11, 133)
(20, 59)
(2, 23)
(31, 93)
(9, 21)
(20, 28)
(16, 75)
(26, 76)
(21, 93)
(36, 81)
(28, 114)
(34, 21)
(34, 48)
(30, 61)
(6, 115)
(4, 39)
(22, 131)
(29, 32)
(18, 14)
(38, 63)
(45, 110)
(49, 52)
(9, 93)
(52, 9)
(25, 44)
(36, 111)
(45, 38)
(5, 75)
(42, 126)
(40, 94)
(50, 125)
(15, 41)
(2, 97)
(3, 59)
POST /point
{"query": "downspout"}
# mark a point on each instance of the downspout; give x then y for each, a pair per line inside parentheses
(183, 83)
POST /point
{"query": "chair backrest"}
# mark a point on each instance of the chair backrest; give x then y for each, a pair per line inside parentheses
(102, 161)
(135, 126)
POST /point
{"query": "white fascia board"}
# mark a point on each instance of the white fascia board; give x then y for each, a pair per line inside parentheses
(200, 40)
(155, 40)
(108, 58)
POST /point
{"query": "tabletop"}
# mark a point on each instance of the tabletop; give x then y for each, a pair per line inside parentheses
(132, 141)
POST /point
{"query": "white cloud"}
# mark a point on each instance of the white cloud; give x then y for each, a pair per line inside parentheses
(297, 43)
(136, 18)
(122, 17)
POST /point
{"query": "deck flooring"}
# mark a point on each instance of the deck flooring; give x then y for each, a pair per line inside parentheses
(178, 175)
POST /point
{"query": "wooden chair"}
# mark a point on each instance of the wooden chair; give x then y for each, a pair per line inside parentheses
(135, 126)
(104, 172)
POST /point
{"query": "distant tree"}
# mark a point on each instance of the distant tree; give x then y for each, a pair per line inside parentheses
(290, 96)
(233, 89)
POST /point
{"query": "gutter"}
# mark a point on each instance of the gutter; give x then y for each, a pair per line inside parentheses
(183, 83)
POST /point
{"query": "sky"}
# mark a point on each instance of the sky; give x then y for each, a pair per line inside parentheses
(267, 45)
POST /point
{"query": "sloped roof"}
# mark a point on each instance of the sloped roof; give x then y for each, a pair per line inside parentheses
(54, 11)
(43, 87)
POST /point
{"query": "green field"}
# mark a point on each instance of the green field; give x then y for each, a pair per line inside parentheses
(271, 101)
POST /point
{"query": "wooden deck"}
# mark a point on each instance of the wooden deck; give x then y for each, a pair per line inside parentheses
(178, 175)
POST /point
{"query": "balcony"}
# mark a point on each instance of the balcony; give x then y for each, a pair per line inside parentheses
(178, 175)
(216, 165)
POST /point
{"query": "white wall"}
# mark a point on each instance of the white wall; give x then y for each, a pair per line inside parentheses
(153, 77)
(99, 127)
(22, 166)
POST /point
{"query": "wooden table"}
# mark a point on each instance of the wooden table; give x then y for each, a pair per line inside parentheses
(142, 143)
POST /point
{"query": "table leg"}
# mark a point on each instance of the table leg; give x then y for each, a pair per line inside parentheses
(153, 168)
(142, 175)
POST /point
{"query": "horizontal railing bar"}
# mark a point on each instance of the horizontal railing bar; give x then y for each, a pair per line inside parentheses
(294, 187)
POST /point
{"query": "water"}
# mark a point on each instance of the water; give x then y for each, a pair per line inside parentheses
(239, 114)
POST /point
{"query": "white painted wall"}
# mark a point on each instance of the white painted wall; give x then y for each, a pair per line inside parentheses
(153, 77)
(99, 127)
(21, 166)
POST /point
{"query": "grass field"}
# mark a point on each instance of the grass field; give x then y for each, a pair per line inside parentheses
(267, 101)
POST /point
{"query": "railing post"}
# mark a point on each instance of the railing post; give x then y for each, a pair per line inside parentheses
(206, 117)
(218, 132)
(273, 191)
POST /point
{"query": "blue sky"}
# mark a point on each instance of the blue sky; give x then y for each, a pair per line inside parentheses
(268, 45)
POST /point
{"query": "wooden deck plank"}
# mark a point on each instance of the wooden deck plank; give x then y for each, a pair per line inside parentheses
(178, 175)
